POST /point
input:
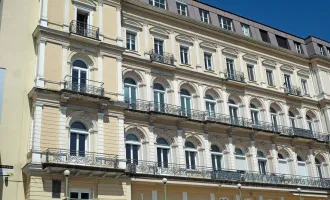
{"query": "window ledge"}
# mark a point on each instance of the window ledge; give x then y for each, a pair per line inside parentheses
(253, 82)
(185, 65)
(209, 71)
(133, 52)
(271, 86)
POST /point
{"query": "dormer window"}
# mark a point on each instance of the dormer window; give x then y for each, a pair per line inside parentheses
(182, 8)
(226, 23)
(282, 42)
(158, 3)
(205, 17)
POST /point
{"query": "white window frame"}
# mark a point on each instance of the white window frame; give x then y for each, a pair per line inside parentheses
(80, 132)
(79, 191)
(135, 36)
(188, 54)
(154, 4)
(304, 86)
(298, 47)
(272, 77)
(310, 122)
(140, 153)
(240, 156)
(257, 111)
(237, 109)
(160, 91)
(321, 49)
(286, 164)
(179, 9)
(253, 71)
(160, 39)
(221, 161)
(186, 97)
(293, 121)
(169, 160)
(266, 163)
(89, 11)
(246, 30)
(130, 90)
(195, 157)
(211, 101)
(222, 19)
(276, 118)
(203, 17)
(211, 61)
(80, 69)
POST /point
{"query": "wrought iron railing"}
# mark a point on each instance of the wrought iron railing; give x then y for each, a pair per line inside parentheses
(293, 90)
(235, 76)
(177, 170)
(163, 108)
(165, 58)
(84, 158)
(83, 29)
(83, 86)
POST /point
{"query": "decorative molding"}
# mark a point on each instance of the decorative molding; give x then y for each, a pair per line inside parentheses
(230, 51)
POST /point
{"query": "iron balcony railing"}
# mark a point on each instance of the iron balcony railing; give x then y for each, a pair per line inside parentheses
(84, 158)
(184, 171)
(83, 86)
(84, 29)
(235, 76)
(293, 90)
(205, 116)
(165, 58)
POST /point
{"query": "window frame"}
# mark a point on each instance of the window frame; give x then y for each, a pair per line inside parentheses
(245, 28)
(179, 5)
(249, 65)
(263, 159)
(79, 191)
(80, 132)
(191, 150)
(202, 17)
(168, 148)
(210, 102)
(139, 148)
(154, 3)
(298, 47)
(266, 35)
(241, 156)
(272, 77)
(188, 54)
(210, 61)
(130, 89)
(222, 164)
(226, 26)
(163, 45)
(255, 115)
(135, 40)
(321, 49)
(304, 86)
(282, 42)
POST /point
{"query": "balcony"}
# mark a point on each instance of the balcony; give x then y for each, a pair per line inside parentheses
(235, 76)
(85, 86)
(223, 175)
(164, 58)
(293, 90)
(90, 159)
(204, 116)
(85, 30)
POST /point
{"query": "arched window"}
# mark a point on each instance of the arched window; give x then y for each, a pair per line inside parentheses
(262, 162)
(159, 97)
(185, 102)
(78, 139)
(130, 90)
(310, 124)
(210, 105)
(216, 155)
(292, 118)
(254, 114)
(163, 150)
(282, 164)
(132, 148)
(233, 111)
(319, 168)
(302, 169)
(191, 155)
(240, 159)
(274, 118)
(79, 76)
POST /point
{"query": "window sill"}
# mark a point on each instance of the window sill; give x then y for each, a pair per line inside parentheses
(133, 52)
(209, 71)
(185, 65)
(253, 82)
(271, 86)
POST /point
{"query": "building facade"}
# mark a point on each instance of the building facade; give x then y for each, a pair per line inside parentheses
(124, 93)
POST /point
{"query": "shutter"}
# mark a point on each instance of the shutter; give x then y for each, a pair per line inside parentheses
(283, 167)
(302, 171)
(240, 163)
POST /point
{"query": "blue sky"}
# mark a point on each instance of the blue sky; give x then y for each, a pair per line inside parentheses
(298, 17)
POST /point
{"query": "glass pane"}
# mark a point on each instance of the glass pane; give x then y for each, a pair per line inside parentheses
(165, 158)
(74, 195)
(187, 160)
(126, 94)
(135, 154)
(73, 144)
(218, 159)
(83, 81)
(159, 157)
(162, 98)
(213, 162)
(84, 195)
(188, 106)
(128, 153)
(192, 158)
(133, 94)
(75, 76)
(156, 100)
(82, 147)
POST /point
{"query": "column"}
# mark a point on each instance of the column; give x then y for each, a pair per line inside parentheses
(247, 107)
(207, 149)
(231, 155)
(293, 162)
(154, 194)
(274, 158)
(119, 38)
(286, 115)
(64, 64)
(120, 79)
(100, 68)
(221, 69)
(319, 79)
(63, 138)
(172, 38)
(180, 146)
(36, 150)
(101, 36)
(240, 56)
(152, 142)
(44, 13)
(121, 139)
(302, 120)
(148, 87)
(280, 75)
(41, 63)
(198, 62)
(100, 134)
(146, 39)
(254, 153)
(311, 159)
(66, 23)
(267, 112)
(296, 77)
(202, 102)
(327, 117)
(176, 100)
(225, 103)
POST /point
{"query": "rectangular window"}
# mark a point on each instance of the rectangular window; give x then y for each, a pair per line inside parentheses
(270, 79)
(208, 61)
(282, 42)
(159, 47)
(2, 85)
(204, 16)
(226, 23)
(184, 55)
(328, 50)
(80, 194)
(158, 3)
(264, 36)
(298, 48)
(182, 8)
(56, 189)
(250, 70)
(246, 30)
(287, 80)
(321, 50)
(131, 41)
(304, 86)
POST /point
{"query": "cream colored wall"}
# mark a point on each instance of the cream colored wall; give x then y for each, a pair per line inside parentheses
(111, 135)
(56, 14)
(53, 65)
(50, 128)
(110, 77)
(109, 24)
